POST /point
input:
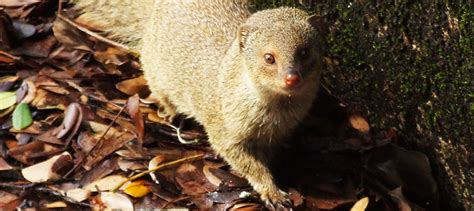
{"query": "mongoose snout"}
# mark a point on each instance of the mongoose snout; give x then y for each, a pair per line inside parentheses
(293, 79)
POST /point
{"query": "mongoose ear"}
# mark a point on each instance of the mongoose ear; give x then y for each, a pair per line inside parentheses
(242, 35)
(319, 23)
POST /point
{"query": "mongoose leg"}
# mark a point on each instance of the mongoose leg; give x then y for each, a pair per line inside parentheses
(252, 163)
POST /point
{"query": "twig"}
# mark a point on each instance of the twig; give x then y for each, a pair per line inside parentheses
(190, 158)
(16, 58)
(96, 143)
(41, 188)
(95, 35)
(60, 6)
(62, 196)
(178, 133)
(175, 201)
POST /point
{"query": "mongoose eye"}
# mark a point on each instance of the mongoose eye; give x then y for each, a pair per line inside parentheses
(269, 59)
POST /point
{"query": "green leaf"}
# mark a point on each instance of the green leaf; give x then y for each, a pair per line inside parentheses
(7, 99)
(22, 116)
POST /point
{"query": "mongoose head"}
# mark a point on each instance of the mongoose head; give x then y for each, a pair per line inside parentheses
(281, 51)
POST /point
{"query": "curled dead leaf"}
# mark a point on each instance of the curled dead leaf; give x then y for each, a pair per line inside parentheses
(51, 169)
(157, 160)
(72, 120)
(133, 109)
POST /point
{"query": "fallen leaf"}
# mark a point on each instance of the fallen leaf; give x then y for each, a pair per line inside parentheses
(6, 111)
(110, 55)
(211, 177)
(246, 207)
(130, 165)
(48, 100)
(17, 3)
(72, 120)
(361, 205)
(157, 160)
(78, 194)
(192, 180)
(8, 201)
(400, 200)
(4, 165)
(134, 86)
(21, 116)
(133, 109)
(359, 123)
(23, 30)
(49, 170)
(105, 184)
(137, 189)
(56, 204)
(115, 201)
(71, 36)
(6, 82)
(295, 197)
(7, 99)
(34, 150)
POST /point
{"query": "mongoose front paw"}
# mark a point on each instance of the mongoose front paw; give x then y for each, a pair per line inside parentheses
(276, 200)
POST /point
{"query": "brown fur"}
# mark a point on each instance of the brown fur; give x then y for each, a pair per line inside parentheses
(204, 58)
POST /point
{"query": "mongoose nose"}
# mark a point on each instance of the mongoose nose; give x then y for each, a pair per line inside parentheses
(292, 79)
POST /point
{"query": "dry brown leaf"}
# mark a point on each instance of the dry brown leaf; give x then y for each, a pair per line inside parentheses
(192, 180)
(72, 120)
(34, 150)
(134, 86)
(211, 177)
(111, 55)
(133, 109)
(8, 201)
(49, 170)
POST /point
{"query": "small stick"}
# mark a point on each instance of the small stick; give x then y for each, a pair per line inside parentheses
(96, 143)
(190, 158)
(16, 58)
(60, 6)
(95, 35)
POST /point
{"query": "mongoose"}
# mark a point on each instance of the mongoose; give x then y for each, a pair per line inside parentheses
(247, 78)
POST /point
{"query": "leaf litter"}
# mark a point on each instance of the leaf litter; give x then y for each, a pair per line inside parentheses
(79, 129)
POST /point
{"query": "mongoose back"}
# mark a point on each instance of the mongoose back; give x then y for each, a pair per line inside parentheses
(247, 78)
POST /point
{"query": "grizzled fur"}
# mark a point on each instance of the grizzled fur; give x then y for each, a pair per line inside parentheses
(205, 59)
